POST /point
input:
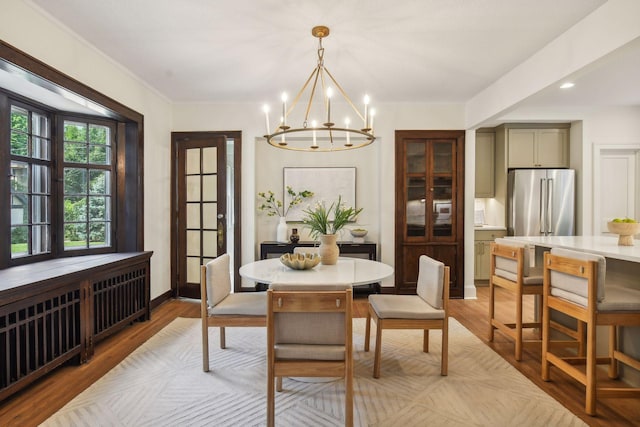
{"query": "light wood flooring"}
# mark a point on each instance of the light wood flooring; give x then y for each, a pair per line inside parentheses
(43, 398)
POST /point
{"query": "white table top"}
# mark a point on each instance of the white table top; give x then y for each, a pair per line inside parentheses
(606, 246)
(348, 270)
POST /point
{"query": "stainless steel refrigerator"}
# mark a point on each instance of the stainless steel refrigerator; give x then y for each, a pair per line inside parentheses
(541, 202)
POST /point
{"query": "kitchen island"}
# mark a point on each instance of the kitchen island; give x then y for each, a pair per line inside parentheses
(623, 267)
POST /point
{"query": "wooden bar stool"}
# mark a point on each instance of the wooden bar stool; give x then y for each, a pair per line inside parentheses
(511, 270)
(574, 284)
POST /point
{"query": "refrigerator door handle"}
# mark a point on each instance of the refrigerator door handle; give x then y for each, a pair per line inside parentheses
(542, 206)
(549, 204)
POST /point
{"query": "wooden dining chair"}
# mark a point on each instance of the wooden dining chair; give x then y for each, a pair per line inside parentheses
(309, 334)
(427, 310)
(219, 307)
(575, 285)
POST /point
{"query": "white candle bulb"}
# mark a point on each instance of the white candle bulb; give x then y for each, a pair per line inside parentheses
(372, 115)
(366, 106)
(346, 125)
(329, 95)
(313, 125)
(265, 108)
(284, 108)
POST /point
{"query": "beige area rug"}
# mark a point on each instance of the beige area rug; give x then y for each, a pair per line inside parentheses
(162, 384)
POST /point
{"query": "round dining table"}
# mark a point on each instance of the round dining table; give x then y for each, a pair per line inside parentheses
(347, 270)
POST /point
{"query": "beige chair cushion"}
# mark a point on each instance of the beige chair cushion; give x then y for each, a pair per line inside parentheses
(534, 277)
(403, 307)
(511, 266)
(218, 280)
(241, 304)
(575, 289)
(309, 351)
(430, 277)
(619, 298)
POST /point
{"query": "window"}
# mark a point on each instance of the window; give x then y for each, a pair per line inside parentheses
(80, 207)
(30, 182)
(87, 184)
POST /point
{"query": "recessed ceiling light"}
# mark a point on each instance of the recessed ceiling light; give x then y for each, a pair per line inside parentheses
(566, 85)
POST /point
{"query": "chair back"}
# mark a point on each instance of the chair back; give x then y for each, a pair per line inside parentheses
(572, 281)
(506, 263)
(306, 318)
(431, 284)
(218, 279)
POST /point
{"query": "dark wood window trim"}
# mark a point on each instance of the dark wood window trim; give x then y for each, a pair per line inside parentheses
(129, 155)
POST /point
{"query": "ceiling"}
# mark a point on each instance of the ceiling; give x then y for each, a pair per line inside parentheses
(433, 51)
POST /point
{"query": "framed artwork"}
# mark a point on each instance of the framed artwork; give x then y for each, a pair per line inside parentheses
(325, 183)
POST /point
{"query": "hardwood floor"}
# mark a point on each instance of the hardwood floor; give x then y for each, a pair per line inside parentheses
(36, 403)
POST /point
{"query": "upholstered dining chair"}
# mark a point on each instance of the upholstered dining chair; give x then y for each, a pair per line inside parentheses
(575, 284)
(427, 310)
(220, 307)
(309, 334)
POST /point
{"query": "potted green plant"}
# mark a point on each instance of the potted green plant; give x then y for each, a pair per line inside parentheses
(318, 219)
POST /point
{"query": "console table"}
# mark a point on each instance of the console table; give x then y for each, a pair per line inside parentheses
(366, 250)
(56, 310)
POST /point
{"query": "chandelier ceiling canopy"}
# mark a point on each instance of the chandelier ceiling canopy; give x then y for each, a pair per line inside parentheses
(319, 132)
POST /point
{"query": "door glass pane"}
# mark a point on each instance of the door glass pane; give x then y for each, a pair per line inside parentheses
(193, 188)
(193, 243)
(442, 206)
(442, 157)
(416, 200)
(210, 244)
(193, 215)
(415, 157)
(210, 160)
(209, 188)
(193, 161)
(209, 213)
(193, 269)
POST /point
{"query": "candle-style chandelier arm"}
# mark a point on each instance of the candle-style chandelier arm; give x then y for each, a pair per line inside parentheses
(344, 94)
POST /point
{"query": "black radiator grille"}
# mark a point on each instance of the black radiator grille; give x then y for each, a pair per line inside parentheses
(118, 298)
(33, 336)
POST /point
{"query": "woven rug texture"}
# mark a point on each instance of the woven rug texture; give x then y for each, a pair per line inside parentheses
(162, 384)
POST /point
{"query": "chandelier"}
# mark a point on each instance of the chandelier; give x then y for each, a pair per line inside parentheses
(320, 133)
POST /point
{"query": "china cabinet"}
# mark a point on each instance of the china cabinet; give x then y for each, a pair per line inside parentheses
(429, 205)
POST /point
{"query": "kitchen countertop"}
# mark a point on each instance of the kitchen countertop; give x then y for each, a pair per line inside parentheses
(606, 246)
(489, 227)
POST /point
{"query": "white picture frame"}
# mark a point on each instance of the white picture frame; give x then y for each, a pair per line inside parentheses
(325, 183)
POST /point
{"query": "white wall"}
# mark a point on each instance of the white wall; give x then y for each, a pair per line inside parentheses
(613, 126)
(262, 164)
(28, 29)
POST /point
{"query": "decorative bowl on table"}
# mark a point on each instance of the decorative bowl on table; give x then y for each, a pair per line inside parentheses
(300, 261)
(358, 232)
(625, 231)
